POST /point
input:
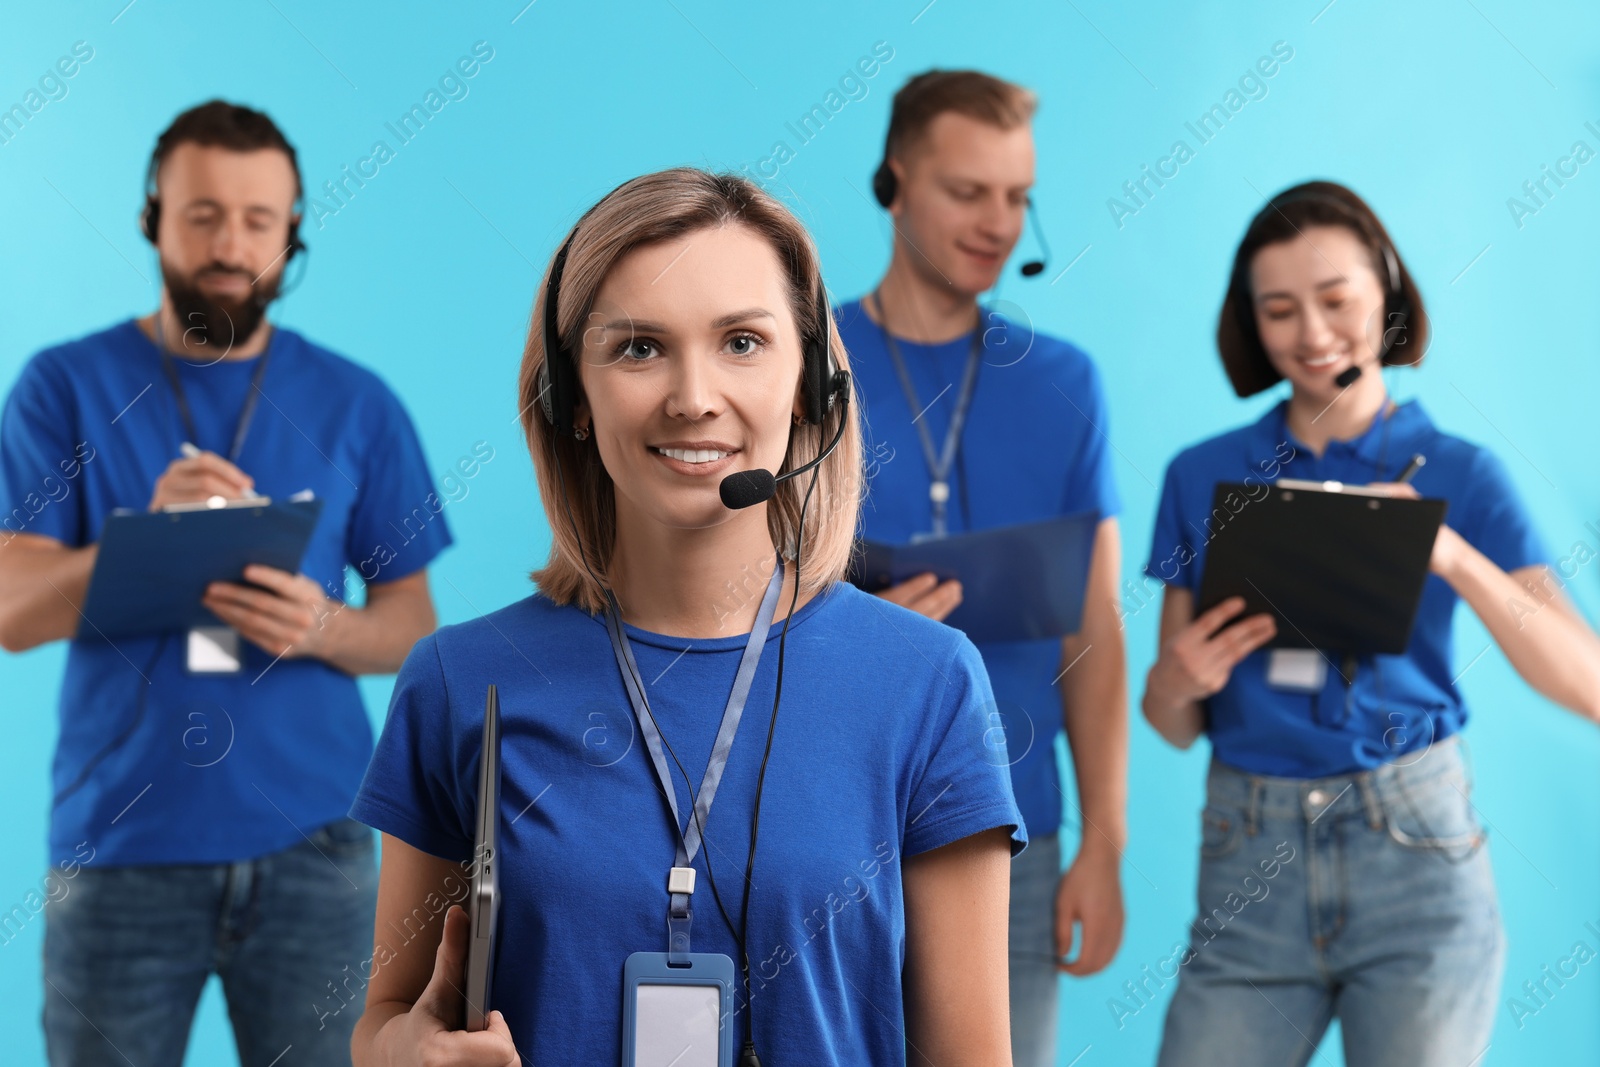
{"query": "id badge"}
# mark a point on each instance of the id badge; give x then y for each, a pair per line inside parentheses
(1299, 670)
(214, 650)
(677, 1016)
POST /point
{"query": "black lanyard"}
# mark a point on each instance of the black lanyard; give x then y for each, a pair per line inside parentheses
(246, 413)
(689, 838)
(939, 462)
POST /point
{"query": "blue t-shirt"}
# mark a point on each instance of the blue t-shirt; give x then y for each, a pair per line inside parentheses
(1034, 447)
(1397, 703)
(883, 749)
(217, 768)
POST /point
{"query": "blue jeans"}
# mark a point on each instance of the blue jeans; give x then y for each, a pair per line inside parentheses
(128, 949)
(1034, 877)
(1365, 897)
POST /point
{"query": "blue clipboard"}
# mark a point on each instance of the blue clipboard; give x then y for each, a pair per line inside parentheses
(1019, 583)
(669, 1005)
(153, 567)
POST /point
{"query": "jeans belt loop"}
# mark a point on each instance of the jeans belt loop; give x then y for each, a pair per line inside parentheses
(1252, 808)
(1370, 800)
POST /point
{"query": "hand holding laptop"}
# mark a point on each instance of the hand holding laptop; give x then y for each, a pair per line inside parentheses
(431, 1030)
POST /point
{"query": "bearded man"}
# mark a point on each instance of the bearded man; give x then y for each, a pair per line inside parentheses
(201, 778)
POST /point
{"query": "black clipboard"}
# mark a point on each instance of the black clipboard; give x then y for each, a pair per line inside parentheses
(154, 566)
(1019, 583)
(1339, 567)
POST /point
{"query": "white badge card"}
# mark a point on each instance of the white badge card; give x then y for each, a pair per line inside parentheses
(214, 650)
(674, 1016)
(1300, 670)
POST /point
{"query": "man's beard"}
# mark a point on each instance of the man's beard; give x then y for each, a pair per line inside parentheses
(217, 325)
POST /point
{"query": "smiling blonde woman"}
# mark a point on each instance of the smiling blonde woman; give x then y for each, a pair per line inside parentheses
(854, 865)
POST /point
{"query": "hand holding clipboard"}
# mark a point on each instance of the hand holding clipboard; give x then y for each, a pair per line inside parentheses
(1198, 659)
(1340, 568)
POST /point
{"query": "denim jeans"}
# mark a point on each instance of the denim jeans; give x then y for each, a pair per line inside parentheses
(1034, 877)
(128, 950)
(1366, 897)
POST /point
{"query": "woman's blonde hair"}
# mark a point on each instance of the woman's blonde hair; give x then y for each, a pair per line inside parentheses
(574, 486)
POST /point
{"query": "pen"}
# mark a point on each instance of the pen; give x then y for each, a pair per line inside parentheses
(190, 451)
(1412, 468)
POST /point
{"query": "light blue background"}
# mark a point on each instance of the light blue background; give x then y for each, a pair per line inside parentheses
(1437, 111)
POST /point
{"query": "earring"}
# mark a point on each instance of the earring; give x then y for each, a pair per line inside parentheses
(581, 433)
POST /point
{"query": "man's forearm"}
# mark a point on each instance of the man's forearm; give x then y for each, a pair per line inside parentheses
(1094, 699)
(43, 583)
(1095, 714)
(376, 638)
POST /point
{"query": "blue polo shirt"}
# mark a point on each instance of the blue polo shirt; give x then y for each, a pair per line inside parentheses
(883, 749)
(213, 768)
(1397, 703)
(1034, 447)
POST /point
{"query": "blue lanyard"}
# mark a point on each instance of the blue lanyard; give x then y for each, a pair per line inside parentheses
(689, 838)
(939, 462)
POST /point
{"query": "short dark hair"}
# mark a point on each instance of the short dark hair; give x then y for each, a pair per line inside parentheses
(968, 92)
(217, 123)
(1317, 203)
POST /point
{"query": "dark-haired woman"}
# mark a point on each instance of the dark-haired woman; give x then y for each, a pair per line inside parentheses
(1343, 872)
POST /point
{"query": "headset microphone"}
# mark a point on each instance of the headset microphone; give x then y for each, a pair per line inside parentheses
(1396, 312)
(1034, 267)
(745, 489)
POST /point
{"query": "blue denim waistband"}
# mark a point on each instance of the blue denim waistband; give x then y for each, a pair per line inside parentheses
(1260, 795)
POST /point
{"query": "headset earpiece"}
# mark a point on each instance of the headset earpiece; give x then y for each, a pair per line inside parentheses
(884, 183)
(823, 379)
(1396, 308)
(150, 218)
(557, 388)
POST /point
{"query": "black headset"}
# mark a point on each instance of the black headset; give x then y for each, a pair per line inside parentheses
(1396, 302)
(150, 217)
(823, 382)
(885, 185)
